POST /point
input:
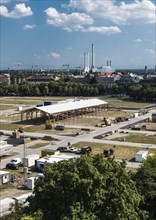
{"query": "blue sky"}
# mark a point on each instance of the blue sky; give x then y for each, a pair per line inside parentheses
(51, 33)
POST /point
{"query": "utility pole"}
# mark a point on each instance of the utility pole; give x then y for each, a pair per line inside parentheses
(25, 163)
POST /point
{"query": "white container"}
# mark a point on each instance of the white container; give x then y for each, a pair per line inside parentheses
(141, 155)
(136, 114)
(29, 161)
(19, 108)
(31, 182)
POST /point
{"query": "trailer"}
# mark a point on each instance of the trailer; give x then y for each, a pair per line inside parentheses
(6, 149)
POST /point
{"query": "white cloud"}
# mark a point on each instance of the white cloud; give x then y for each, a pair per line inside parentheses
(151, 52)
(69, 22)
(138, 40)
(103, 30)
(55, 55)
(4, 1)
(19, 11)
(76, 22)
(29, 26)
(120, 13)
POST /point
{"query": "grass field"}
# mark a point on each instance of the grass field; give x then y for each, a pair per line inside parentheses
(138, 138)
(38, 100)
(30, 100)
(5, 107)
(121, 152)
(36, 128)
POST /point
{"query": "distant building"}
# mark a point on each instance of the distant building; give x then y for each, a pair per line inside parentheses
(130, 78)
(39, 79)
(5, 78)
(80, 79)
(108, 79)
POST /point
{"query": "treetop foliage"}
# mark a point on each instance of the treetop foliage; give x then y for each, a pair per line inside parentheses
(87, 188)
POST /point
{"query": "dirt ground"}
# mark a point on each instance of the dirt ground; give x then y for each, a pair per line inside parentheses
(13, 192)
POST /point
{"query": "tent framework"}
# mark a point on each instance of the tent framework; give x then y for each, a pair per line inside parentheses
(62, 115)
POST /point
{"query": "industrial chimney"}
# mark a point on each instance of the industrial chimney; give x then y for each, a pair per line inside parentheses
(92, 66)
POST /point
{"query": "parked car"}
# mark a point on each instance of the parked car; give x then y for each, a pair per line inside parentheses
(16, 160)
(72, 149)
(84, 150)
(63, 149)
(12, 166)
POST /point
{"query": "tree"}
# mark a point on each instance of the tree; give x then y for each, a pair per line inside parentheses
(146, 184)
(89, 187)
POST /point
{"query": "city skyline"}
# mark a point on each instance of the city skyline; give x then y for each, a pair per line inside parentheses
(52, 33)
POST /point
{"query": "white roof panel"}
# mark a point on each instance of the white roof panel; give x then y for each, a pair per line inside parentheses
(62, 107)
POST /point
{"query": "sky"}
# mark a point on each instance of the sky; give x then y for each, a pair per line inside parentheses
(47, 34)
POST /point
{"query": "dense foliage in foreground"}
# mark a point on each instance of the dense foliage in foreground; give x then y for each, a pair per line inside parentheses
(92, 188)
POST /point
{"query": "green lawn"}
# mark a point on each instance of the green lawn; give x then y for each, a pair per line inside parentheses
(119, 102)
(121, 152)
(36, 128)
(5, 107)
(138, 138)
(30, 100)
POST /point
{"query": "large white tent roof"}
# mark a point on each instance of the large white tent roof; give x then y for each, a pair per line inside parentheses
(68, 106)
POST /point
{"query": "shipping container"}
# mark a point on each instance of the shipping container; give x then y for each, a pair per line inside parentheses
(47, 103)
(141, 155)
(29, 161)
(46, 152)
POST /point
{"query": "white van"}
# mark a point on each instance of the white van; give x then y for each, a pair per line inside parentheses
(16, 160)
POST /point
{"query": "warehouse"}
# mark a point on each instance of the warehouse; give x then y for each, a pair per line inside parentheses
(64, 110)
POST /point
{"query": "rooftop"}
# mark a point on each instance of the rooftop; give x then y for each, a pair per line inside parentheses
(71, 105)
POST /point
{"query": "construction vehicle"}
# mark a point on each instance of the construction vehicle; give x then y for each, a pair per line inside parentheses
(107, 121)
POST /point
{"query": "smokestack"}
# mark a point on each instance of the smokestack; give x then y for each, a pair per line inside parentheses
(92, 56)
(107, 62)
(88, 60)
(84, 60)
(110, 62)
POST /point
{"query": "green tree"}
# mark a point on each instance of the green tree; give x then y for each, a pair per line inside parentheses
(146, 184)
(89, 187)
